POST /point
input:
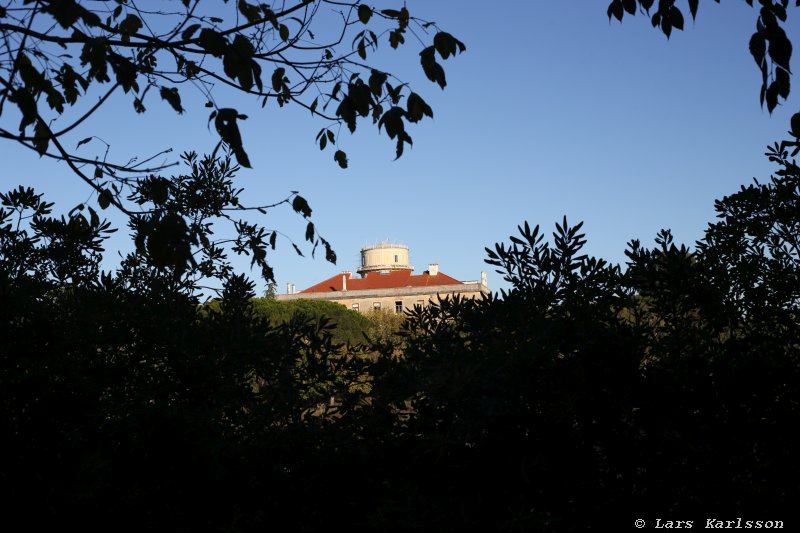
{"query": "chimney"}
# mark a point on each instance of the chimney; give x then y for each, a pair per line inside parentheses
(483, 279)
(433, 268)
(344, 280)
(288, 288)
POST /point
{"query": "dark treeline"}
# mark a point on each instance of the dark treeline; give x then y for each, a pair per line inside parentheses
(586, 396)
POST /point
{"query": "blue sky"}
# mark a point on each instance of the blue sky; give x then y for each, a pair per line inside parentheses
(552, 111)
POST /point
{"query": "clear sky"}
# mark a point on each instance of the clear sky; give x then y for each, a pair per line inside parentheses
(552, 111)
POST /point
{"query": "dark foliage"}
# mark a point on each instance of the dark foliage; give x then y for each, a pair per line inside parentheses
(770, 47)
(122, 404)
(347, 326)
(316, 54)
(61, 61)
(589, 396)
(585, 397)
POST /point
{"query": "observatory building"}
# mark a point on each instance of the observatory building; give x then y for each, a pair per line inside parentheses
(386, 281)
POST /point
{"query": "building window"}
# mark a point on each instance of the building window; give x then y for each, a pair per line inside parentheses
(355, 307)
(398, 307)
(421, 303)
(396, 259)
(376, 306)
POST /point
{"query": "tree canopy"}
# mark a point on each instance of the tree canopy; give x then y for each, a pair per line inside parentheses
(586, 396)
(770, 47)
(61, 60)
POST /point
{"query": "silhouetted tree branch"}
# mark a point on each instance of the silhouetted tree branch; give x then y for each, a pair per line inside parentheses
(54, 55)
(770, 47)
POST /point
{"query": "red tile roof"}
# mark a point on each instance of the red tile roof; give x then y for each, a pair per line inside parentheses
(394, 279)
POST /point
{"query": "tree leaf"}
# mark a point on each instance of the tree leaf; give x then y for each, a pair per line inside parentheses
(189, 31)
(392, 121)
(364, 13)
(758, 47)
(360, 97)
(131, 25)
(124, 70)
(616, 10)
(630, 6)
(656, 19)
(666, 26)
(159, 190)
(376, 81)
(171, 95)
(41, 137)
(676, 18)
(347, 112)
(780, 11)
(69, 80)
(212, 42)
(300, 205)
(27, 107)
(251, 13)
(782, 82)
(693, 4)
(277, 78)
(417, 108)
(66, 12)
(330, 255)
(377, 111)
(780, 48)
(445, 44)
(396, 38)
(54, 98)
(104, 199)
(402, 138)
(432, 69)
(795, 124)
(341, 158)
(228, 129)
(772, 97)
